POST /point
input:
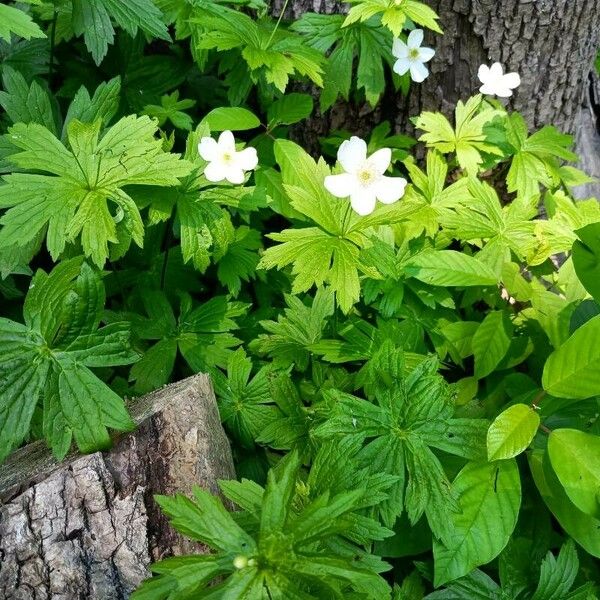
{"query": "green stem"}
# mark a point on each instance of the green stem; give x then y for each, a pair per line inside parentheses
(278, 22)
(52, 45)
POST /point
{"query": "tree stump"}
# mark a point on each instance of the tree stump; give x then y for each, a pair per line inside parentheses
(88, 528)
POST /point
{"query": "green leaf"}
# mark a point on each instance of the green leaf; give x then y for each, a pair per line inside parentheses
(48, 357)
(14, 20)
(586, 258)
(489, 496)
(468, 140)
(571, 371)
(557, 575)
(575, 458)
(584, 529)
(289, 110)
(511, 432)
(449, 268)
(83, 185)
(491, 342)
(231, 117)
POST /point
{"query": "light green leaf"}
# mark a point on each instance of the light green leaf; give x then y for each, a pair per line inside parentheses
(491, 342)
(575, 458)
(449, 268)
(14, 20)
(289, 109)
(511, 432)
(573, 369)
(489, 495)
(584, 529)
(233, 118)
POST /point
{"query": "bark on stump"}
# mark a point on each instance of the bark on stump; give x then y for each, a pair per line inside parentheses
(88, 528)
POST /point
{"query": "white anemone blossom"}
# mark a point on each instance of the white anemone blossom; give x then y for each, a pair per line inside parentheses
(496, 82)
(412, 57)
(224, 161)
(364, 180)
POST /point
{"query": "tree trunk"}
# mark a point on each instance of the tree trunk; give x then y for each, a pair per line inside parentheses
(88, 528)
(551, 43)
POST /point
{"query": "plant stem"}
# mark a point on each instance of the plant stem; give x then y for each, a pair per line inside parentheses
(52, 45)
(278, 22)
(166, 246)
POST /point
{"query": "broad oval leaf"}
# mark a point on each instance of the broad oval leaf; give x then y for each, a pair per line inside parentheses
(233, 118)
(585, 530)
(575, 458)
(491, 342)
(512, 432)
(573, 370)
(449, 268)
(586, 258)
(489, 498)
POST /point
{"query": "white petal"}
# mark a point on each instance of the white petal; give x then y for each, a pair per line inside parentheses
(503, 92)
(247, 159)
(426, 54)
(418, 72)
(363, 202)
(341, 186)
(511, 80)
(390, 189)
(401, 66)
(208, 148)
(215, 171)
(483, 74)
(227, 142)
(415, 38)
(399, 49)
(496, 70)
(381, 160)
(235, 175)
(352, 154)
(488, 88)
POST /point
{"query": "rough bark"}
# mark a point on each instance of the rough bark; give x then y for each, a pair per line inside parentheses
(89, 527)
(551, 43)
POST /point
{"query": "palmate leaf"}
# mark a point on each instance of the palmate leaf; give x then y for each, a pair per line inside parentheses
(289, 339)
(245, 403)
(533, 163)
(394, 15)
(94, 20)
(414, 414)
(49, 356)
(367, 42)
(15, 21)
(468, 140)
(277, 550)
(201, 335)
(83, 184)
(329, 252)
(274, 53)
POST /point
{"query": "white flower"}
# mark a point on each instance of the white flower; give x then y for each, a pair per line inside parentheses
(411, 57)
(496, 83)
(364, 180)
(224, 161)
